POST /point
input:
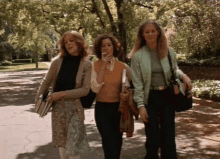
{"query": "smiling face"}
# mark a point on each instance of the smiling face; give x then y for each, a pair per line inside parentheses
(150, 33)
(70, 45)
(107, 47)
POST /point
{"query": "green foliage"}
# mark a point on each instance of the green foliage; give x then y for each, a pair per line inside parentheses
(192, 27)
(197, 29)
(208, 89)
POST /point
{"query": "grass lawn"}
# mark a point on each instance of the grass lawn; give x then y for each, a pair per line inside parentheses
(23, 67)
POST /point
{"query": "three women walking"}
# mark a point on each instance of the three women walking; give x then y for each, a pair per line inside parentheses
(72, 76)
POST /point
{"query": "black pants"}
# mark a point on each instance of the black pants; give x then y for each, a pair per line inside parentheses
(160, 130)
(107, 120)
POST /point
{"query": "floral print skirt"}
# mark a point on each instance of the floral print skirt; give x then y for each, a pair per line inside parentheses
(68, 131)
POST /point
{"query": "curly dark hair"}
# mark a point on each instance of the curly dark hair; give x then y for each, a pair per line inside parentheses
(78, 39)
(115, 42)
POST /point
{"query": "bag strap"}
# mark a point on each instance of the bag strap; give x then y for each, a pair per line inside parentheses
(173, 76)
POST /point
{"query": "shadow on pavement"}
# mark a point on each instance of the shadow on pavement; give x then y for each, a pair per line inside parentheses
(197, 130)
(19, 88)
(42, 152)
(132, 149)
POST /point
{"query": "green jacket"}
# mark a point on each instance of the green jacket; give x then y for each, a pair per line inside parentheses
(141, 73)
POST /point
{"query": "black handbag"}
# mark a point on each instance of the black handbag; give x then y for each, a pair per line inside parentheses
(182, 101)
(87, 100)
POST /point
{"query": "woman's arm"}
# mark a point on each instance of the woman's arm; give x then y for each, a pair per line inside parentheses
(97, 80)
(128, 72)
(47, 80)
(137, 82)
(139, 89)
(100, 75)
(181, 75)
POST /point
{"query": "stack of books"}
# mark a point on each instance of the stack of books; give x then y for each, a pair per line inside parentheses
(43, 105)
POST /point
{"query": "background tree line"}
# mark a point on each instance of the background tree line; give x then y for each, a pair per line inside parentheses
(32, 27)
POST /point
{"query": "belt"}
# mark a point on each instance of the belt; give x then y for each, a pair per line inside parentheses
(160, 88)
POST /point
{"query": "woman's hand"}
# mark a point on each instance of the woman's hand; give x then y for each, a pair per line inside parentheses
(106, 60)
(187, 81)
(124, 95)
(106, 57)
(56, 96)
(143, 114)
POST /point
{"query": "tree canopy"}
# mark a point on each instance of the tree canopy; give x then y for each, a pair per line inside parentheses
(192, 27)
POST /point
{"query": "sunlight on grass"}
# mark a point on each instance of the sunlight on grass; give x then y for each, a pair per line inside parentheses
(208, 89)
(23, 67)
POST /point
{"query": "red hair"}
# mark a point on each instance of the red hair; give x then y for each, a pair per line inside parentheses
(78, 39)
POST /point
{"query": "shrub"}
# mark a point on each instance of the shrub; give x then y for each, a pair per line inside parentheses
(208, 89)
(6, 63)
(22, 61)
(213, 61)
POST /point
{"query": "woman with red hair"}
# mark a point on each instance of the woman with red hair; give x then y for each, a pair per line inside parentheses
(69, 75)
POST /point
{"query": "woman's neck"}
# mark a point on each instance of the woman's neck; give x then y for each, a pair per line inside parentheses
(152, 46)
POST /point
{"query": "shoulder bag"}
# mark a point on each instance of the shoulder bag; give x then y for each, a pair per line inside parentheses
(182, 100)
(87, 100)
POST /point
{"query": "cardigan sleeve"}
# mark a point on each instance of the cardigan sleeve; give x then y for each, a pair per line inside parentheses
(137, 82)
(128, 70)
(47, 80)
(86, 81)
(95, 86)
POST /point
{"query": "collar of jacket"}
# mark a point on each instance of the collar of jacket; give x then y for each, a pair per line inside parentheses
(145, 64)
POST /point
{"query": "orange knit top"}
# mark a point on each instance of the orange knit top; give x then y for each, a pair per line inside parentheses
(111, 89)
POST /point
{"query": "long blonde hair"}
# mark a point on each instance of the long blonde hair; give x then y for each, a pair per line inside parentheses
(162, 46)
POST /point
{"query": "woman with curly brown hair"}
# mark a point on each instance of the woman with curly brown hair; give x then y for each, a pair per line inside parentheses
(69, 75)
(151, 77)
(107, 82)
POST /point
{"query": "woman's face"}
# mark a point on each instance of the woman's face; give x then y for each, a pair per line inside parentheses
(150, 33)
(107, 47)
(70, 45)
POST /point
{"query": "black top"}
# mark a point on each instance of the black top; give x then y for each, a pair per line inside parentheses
(66, 78)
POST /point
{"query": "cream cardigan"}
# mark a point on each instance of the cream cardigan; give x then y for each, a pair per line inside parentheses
(82, 87)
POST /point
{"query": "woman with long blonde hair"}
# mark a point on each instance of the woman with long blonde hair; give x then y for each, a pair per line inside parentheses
(151, 77)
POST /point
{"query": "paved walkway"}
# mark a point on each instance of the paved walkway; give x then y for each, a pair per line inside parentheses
(23, 135)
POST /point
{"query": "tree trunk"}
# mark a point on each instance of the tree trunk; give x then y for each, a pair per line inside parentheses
(122, 31)
(36, 60)
(114, 28)
(97, 13)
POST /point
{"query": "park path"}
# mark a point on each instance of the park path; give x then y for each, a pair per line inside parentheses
(23, 135)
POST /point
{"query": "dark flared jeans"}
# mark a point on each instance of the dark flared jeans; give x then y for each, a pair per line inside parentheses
(160, 130)
(107, 120)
